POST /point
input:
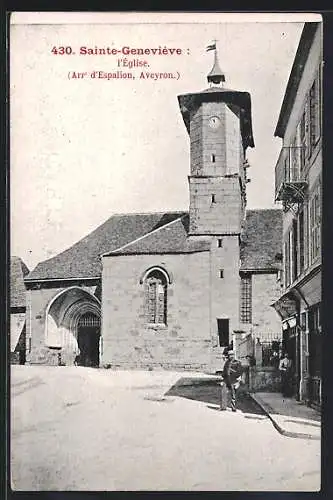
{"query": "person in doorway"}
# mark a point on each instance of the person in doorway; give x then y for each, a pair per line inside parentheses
(231, 376)
(274, 359)
(285, 367)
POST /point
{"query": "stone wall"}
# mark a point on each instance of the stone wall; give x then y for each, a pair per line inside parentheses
(265, 290)
(225, 290)
(128, 341)
(219, 216)
(213, 139)
(264, 379)
(37, 302)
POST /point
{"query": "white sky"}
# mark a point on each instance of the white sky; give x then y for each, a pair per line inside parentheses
(82, 150)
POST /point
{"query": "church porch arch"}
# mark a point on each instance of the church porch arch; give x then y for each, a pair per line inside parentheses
(72, 327)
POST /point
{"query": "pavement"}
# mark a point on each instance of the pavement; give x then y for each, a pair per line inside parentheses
(83, 429)
(290, 417)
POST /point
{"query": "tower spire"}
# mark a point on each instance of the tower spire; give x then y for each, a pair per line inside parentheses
(216, 75)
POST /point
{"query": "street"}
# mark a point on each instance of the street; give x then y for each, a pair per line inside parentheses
(75, 428)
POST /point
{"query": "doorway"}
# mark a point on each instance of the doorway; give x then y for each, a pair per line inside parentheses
(223, 331)
(88, 337)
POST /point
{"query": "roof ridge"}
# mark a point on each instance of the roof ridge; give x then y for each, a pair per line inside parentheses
(144, 236)
(101, 225)
(148, 213)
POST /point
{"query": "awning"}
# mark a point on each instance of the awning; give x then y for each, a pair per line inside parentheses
(311, 289)
(286, 306)
(17, 322)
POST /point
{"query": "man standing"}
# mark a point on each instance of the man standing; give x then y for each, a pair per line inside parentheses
(285, 367)
(231, 375)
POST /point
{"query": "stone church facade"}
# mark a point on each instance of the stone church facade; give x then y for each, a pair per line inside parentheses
(168, 290)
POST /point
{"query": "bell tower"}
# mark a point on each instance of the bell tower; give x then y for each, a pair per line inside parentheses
(218, 121)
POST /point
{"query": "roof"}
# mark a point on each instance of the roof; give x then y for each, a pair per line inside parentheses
(171, 238)
(242, 100)
(304, 46)
(262, 240)
(18, 270)
(82, 260)
(159, 233)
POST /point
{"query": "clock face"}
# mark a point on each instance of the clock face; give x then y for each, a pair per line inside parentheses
(214, 122)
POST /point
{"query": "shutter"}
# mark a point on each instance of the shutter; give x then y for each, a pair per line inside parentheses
(312, 115)
(319, 102)
(302, 140)
(307, 128)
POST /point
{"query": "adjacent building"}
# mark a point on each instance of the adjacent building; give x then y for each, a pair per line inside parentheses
(18, 270)
(168, 290)
(298, 185)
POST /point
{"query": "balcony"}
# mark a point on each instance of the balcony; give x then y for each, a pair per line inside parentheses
(290, 183)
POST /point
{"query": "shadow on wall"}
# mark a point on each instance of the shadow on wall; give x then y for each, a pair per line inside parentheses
(208, 391)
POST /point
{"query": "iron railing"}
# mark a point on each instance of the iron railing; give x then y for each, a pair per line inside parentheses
(271, 353)
(289, 169)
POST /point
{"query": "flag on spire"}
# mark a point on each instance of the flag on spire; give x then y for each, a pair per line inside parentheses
(212, 46)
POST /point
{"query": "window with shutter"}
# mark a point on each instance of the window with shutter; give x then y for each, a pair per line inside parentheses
(286, 249)
(302, 140)
(315, 223)
(315, 111)
(307, 127)
(294, 160)
(301, 239)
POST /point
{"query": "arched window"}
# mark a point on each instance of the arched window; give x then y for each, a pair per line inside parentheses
(156, 297)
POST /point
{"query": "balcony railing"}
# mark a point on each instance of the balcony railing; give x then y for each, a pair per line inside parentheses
(290, 183)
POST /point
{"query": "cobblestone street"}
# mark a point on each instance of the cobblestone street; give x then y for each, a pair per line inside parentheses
(85, 429)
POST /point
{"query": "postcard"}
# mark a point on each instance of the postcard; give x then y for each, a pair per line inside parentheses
(165, 201)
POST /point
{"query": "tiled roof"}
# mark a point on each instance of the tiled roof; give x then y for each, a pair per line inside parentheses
(82, 260)
(159, 233)
(262, 240)
(18, 270)
(171, 238)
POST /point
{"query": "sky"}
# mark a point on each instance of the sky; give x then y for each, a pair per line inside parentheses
(85, 148)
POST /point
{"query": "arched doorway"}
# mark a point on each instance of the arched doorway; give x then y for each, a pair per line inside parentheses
(88, 336)
(73, 327)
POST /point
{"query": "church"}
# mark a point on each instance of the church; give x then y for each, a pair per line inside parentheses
(168, 290)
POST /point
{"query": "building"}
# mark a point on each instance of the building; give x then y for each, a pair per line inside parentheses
(18, 270)
(168, 290)
(298, 185)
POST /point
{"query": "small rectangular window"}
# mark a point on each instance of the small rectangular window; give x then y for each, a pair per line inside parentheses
(221, 273)
(220, 242)
(213, 198)
(213, 158)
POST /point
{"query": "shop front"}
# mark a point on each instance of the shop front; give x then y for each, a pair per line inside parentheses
(300, 312)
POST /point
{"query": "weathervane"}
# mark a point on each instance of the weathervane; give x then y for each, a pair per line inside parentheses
(216, 75)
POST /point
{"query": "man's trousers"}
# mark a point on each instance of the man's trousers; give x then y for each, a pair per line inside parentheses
(227, 390)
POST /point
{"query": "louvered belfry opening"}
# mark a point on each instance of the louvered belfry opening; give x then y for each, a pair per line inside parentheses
(88, 340)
